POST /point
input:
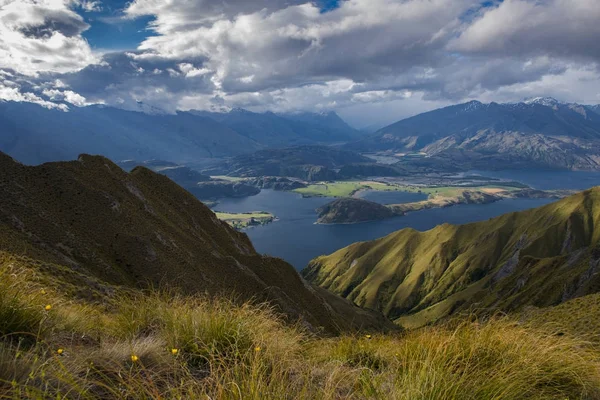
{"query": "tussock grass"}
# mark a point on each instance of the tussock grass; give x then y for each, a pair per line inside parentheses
(21, 307)
(158, 345)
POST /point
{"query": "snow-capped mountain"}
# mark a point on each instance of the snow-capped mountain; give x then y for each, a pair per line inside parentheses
(544, 101)
(540, 131)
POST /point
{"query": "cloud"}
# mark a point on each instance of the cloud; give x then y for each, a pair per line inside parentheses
(556, 28)
(42, 36)
(123, 80)
(68, 96)
(89, 5)
(10, 91)
(386, 57)
(51, 94)
(189, 71)
(172, 16)
(300, 44)
(261, 56)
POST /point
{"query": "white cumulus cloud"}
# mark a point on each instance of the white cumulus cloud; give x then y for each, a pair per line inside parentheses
(42, 36)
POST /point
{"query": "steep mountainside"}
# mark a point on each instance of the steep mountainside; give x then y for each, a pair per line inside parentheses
(32, 134)
(202, 186)
(285, 129)
(322, 127)
(140, 229)
(310, 163)
(538, 257)
(541, 132)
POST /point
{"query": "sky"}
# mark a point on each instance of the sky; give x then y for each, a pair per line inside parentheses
(372, 61)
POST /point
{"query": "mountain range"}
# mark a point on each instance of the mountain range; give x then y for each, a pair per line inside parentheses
(280, 130)
(33, 134)
(541, 132)
(540, 257)
(310, 163)
(538, 133)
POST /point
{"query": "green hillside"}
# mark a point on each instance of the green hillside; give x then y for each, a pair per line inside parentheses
(575, 318)
(538, 257)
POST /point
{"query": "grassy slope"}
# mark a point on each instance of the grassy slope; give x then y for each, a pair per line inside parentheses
(575, 318)
(537, 257)
(243, 220)
(348, 188)
(152, 345)
(141, 230)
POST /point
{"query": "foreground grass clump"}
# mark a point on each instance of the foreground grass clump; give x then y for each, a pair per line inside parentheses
(163, 346)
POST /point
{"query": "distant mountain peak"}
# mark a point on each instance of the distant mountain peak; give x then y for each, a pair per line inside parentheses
(472, 105)
(149, 109)
(240, 110)
(544, 101)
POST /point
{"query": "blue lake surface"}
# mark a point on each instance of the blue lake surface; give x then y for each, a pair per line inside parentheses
(297, 239)
(547, 180)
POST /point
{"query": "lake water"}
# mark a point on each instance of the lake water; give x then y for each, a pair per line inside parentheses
(547, 180)
(297, 239)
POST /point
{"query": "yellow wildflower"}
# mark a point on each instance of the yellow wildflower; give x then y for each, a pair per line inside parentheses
(134, 358)
(42, 291)
(60, 352)
(257, 349)
(48, 307)
(174, 351)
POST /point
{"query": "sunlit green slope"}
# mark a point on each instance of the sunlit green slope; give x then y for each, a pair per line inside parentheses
(538, 257)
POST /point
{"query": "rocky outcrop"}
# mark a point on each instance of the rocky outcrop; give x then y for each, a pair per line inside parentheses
(352, 210)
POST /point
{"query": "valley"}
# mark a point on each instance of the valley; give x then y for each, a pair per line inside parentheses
(299, 200)
(297, 238)
(432, 243)
(82, 310)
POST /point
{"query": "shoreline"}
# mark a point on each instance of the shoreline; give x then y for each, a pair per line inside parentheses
(466, 197)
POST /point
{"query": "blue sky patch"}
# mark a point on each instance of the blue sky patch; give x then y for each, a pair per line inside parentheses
(110, 31)
(328, 5)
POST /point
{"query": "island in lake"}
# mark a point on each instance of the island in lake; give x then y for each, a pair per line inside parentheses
(350, 210)
(354, 209)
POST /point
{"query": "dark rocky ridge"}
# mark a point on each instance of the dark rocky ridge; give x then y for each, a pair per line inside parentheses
(352, 210)
(140, 229)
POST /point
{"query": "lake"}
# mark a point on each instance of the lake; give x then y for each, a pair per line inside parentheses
(546, 180)
(297, 239)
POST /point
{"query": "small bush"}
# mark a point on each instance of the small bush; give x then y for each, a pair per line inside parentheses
(358, 352)
(21, 311)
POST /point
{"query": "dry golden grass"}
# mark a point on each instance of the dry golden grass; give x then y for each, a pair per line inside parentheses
(159, 346)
